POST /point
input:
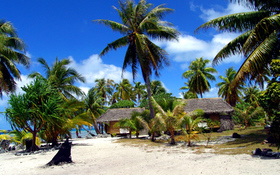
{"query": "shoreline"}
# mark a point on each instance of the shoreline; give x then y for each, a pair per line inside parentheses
(104, 156)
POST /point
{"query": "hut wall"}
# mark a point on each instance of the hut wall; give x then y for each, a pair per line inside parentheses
(214, 117)
(226, 123)
(112, 129)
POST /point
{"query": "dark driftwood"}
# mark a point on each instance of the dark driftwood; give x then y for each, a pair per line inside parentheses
(63, 155)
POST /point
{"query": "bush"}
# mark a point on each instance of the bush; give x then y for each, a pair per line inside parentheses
(123, 104)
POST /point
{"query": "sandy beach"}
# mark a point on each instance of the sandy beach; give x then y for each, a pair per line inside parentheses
(104, 156)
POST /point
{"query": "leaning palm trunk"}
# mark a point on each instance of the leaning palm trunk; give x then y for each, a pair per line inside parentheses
(88, 131)
(96, 127)
(152, 112)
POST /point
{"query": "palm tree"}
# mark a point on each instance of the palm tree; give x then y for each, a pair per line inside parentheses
(198, 75)
(230, 93)
(157, 87)
(11, 53)
(124, 91)
(189, 124)
(188, 94)
(94, 107)
(248, 114)
(170, 112)
(251, 95)
(139, 91)
(261, 78)
(104, 88)
(139, 22)
(61, 77)
(132, 123)
(259, 39)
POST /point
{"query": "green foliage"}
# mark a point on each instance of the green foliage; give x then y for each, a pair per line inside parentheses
(207, 131)
(123, 104)
(198, 76)
(269, 99)
(189, 124)
(170, 113)
(231, 94)
(161, 99)
(258, 40)
(275, 130)
(12, 53)
(247, 114)
(40, 105)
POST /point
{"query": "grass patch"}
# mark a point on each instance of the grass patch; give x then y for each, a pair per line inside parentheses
(141, 142)
(250, 140)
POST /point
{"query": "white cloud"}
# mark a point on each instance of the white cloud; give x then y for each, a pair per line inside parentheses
(93, 68)
(24, 80)
(209, 14)
(20, 83)
(189, 47)
(28, 54)
(213, 92)
(167, 90)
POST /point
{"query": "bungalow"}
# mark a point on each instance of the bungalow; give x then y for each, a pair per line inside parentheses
(112, 116)
(215, 109)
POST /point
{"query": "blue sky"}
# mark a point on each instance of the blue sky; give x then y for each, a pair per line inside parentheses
(64, 29)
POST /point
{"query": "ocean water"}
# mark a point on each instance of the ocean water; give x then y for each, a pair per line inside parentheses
(83, 133)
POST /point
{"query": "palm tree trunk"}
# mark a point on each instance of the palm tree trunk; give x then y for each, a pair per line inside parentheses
(34, 133)
(88, 131)
(96, 127)
(172, 138)
(153, 137)
(152, 112)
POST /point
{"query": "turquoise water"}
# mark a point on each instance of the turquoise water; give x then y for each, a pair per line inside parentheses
(83, 133)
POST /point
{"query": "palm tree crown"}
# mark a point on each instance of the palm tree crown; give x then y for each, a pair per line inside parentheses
(259, 41)
(61, 77)
(12, 51)
(230, 93)
(198, 75)
(139, 22)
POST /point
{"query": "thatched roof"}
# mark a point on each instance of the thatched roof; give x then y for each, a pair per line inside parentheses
(209, 105)
(117, 114)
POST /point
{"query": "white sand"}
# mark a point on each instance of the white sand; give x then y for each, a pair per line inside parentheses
(103, 156)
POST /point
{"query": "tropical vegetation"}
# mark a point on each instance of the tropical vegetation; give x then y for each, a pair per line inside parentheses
(198, 76)
(12, 53)
(258, 41)
(139, 22)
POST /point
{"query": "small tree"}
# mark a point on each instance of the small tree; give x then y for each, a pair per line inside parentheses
(31, 111)
(173, 111)
(189, 124)
(207, 131)
(248, 114)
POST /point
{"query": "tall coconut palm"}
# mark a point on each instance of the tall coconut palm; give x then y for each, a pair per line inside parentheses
(61, 77)
(198, 75)
(231, 94)
(139, 22)
(157, 87)
(251, 95)
(94, 107)
(188, 94)
(124, 91)
(104, 88)
(139, 91)
(261, 77)
(12, 51)
(259, 39)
